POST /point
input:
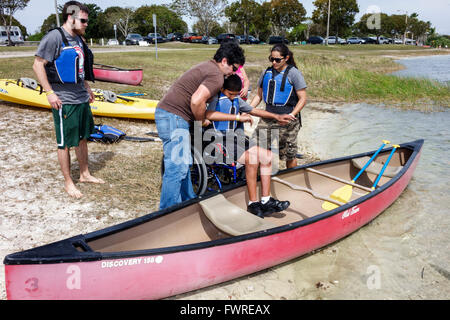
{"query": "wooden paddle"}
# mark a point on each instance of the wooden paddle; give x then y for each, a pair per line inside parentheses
(395, 146)
(343, 194)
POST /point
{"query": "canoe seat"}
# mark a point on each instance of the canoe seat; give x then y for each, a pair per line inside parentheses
(375, 167)
(231, 219)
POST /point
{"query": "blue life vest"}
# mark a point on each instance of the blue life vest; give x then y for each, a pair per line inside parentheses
(225, 105)
(106, 134)
(65, 69)
(278, 93)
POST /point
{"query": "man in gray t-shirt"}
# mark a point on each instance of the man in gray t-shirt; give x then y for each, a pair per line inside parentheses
(62, 64)
(50, 49)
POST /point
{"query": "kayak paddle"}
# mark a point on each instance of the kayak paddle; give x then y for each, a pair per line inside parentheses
(343, 194)
(395, 146)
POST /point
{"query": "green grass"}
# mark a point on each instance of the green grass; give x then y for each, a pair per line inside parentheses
(352, 73)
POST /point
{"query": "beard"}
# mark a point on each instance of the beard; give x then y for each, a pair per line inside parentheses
(79, 32)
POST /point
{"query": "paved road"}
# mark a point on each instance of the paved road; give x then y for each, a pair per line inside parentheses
(30, 53)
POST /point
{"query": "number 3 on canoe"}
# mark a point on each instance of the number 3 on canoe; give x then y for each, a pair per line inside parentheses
(343, 194)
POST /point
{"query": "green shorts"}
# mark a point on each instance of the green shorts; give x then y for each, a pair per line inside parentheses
(73, 122)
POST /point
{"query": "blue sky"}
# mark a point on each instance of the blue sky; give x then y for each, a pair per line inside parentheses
(436, 11)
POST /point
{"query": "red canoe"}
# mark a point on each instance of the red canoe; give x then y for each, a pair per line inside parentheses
(211, 239)
(118, 75)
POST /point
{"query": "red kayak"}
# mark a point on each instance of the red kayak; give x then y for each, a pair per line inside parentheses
(212, 239)
(118, 75)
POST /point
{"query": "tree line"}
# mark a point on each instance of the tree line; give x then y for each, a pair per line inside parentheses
(250, 17)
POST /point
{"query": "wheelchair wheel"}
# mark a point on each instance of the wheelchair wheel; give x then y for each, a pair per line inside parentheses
(199, 174)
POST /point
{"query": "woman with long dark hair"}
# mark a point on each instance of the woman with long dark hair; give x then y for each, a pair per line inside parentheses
(283, 89)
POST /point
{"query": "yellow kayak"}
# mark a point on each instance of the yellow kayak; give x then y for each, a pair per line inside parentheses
(18, 91)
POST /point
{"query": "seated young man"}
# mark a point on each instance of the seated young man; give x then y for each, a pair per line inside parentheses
(225, 112)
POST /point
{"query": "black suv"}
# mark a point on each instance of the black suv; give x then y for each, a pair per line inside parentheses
(224, 36)
(315, 40)
(277, 39)
(176, 36)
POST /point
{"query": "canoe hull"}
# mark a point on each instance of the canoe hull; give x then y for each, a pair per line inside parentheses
(162, 275)
(135, 108)
(115, 75)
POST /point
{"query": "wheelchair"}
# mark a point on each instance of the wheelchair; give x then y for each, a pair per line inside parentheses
(210, 177)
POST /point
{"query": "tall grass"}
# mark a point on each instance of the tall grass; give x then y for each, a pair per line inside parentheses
(352, 73)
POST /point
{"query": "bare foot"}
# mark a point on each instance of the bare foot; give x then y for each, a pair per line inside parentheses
(72, 190)
(91, 179)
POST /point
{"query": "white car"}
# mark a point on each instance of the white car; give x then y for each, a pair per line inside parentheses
(383, 40)
(15, 35)
(112, 42)
(334, 40)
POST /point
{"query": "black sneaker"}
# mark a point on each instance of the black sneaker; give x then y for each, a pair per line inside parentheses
(275, 205)
(258, 209)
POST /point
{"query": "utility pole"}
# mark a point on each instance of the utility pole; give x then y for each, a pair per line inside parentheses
(57, 15)
(328, 23)
(406, 27)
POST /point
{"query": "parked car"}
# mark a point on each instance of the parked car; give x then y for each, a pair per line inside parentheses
(251, 39)
(176, 36)
(383, 40)
(14, 33)
(187, 36)
(192, 37)
(195, 38)
(355, 40)
(369, 40)
(336, 40)
(209, 40)
(277, 39)
(410, 41)
(225, 36)
(112, 42)
(397, 41)
(133, 39)
(315, 40)
(150, 38)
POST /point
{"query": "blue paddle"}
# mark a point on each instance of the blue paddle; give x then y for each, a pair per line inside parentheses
(343, 194)
(395, 146)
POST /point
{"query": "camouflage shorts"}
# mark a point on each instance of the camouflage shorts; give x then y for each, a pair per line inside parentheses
(268, 132)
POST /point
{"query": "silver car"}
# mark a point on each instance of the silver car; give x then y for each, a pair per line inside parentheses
(355, 40)
(336, 40)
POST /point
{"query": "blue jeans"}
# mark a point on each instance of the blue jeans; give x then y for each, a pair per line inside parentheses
(176, 182)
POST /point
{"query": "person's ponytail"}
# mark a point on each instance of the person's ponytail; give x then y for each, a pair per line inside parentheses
(284, 51)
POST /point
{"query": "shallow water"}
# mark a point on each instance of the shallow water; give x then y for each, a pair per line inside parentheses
(431, 67)
(409, 241)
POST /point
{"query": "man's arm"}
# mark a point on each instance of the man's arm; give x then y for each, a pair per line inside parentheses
(198, 102)
(91, 94)
(39, 70)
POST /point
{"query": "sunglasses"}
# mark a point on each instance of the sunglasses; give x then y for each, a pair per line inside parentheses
(277, 60)
(83, 20)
